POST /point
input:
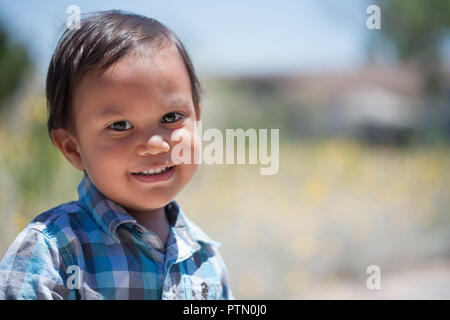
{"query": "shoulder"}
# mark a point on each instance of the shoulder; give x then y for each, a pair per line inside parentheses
(58, 219)
(35, 263)
(199, 234)
(56, 230)
(216, 266)
(48, 239)
(56, 216)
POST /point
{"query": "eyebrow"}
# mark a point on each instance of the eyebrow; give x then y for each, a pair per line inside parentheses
(177, 102)
(172, 102)
(110, 112)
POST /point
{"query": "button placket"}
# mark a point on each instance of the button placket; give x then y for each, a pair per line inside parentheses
(138, 229)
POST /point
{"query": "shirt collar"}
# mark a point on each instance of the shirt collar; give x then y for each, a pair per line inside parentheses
(110, 215)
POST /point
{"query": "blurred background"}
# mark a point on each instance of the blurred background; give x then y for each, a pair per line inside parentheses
(364, 119)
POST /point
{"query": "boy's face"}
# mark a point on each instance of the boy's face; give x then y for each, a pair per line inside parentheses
(124, 118)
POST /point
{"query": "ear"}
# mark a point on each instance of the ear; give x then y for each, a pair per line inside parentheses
(68, 144)
(198, 112)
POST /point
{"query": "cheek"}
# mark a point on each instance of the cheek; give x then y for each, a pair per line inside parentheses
(194, 146)
(104, 156)
(185, 174)
(185, 146)
(189, 145)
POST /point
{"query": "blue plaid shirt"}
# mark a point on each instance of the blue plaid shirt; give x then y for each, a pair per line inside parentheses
(93, 249)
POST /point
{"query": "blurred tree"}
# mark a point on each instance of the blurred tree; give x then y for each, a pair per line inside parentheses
(14, 64)
(418, 31)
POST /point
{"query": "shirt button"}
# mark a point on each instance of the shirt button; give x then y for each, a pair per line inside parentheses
(138, 229)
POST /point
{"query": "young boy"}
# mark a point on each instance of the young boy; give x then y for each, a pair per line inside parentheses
(118, 88)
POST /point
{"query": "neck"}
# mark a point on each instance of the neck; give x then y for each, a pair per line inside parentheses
(154, 220)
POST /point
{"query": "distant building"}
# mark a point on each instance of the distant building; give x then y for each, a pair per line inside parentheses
(379, 104)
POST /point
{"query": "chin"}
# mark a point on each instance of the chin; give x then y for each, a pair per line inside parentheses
(151, 205)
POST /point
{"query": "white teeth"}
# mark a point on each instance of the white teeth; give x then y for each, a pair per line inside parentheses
(154, 171)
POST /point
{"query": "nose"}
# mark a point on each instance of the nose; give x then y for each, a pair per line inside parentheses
(155, 145)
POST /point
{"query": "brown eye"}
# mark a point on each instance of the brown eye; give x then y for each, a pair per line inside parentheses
(171, 117)
(121, 125)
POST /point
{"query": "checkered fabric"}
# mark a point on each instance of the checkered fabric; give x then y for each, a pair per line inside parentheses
(93, 249)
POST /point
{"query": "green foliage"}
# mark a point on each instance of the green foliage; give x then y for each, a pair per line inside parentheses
(30, 156)
(14, 64)
(416, 27)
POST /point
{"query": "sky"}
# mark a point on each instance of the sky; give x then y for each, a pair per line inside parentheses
(232, 37)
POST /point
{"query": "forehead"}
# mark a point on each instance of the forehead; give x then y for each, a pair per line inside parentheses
(150, 78)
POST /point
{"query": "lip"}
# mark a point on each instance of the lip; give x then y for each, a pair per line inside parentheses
(158, 177)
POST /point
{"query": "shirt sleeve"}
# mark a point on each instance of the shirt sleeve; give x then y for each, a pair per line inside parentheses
(32, 268)
(227, 293)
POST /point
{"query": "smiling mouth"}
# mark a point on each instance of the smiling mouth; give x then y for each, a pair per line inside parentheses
(154, 172)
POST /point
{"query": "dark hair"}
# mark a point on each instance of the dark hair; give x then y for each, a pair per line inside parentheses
(102, 39)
